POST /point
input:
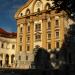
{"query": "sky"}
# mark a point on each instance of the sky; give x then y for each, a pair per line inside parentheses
(8, 9)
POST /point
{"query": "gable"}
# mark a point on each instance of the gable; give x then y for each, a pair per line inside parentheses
(32, 6)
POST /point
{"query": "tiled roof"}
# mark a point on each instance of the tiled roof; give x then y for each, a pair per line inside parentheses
(6, 34)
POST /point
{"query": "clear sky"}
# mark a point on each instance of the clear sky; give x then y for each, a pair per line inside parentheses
(8, 9)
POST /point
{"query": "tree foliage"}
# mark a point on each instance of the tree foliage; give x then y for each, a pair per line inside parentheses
(66, 5)
(42, 59)
(68, 47)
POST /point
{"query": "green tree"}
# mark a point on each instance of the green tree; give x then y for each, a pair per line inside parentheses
(66, 5)
(42, 59)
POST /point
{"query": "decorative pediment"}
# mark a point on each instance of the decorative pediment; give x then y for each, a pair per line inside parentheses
(32, 6)
(24, 6)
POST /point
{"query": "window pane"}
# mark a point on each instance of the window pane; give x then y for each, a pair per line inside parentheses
(28, 38)
(20, 39)
(57, 35)
(28, 47)
(19, 57)
(49, 25)
(49, 45)
(21, 29)
(26, 57)
(38, 10)
(13, 46)
(38, 37)
(57, 44)
(57, 23)
(37, 27)
(28, 29)
(49, 36)
(47, 6)
(20, 48)
(12, 59)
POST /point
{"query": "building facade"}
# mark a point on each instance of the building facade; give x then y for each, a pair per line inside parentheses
(7, 49)
(38, 24)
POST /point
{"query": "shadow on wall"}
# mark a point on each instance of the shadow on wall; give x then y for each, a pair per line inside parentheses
(64, 58)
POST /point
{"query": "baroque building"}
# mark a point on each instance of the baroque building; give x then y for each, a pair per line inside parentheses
(7, 48)
(38, 24)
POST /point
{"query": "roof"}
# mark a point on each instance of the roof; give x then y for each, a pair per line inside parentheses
(6, 34)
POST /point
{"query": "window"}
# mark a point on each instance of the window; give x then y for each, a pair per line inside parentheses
(49, 25)
(57, 35)
(38, 37)
(38, 27)
(7, 60)
(47, 6)
(28, 38)
(27, 11)
(2, 45)
(56, 23)
(28, 47)
(49, 45)
(21, 14)
(20, 48)
(21, 30)
(19, 57)
(57, 44)
(49, 36)
(13, 46)
(12, 58)
(28, 28)
(26, 57)
(20, 39)
(38, 10)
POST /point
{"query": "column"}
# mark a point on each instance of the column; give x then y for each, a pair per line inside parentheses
(3, 61)
(24, 43)
(24, 35)
(62, 24)
(10, 60)
(53, 32)
(31, 33)
(44, 31)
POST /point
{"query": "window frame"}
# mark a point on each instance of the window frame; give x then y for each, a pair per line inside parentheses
(49, 45)
(38, 27)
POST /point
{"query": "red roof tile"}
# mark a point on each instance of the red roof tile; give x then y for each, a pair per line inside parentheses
(6, 34)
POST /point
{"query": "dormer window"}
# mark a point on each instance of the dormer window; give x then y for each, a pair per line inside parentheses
(21, 14)
(38, 10)
(47, 6)
(27, 11)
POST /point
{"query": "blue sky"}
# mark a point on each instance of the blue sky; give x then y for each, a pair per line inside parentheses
(8, 9)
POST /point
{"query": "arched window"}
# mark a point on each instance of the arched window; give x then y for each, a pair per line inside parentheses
(21, 14)
(49, 25)
(38, 10)
(13, 46)
(47, 7)
(21, 29)
(12, 58)
(27, 11)
(7, 60)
